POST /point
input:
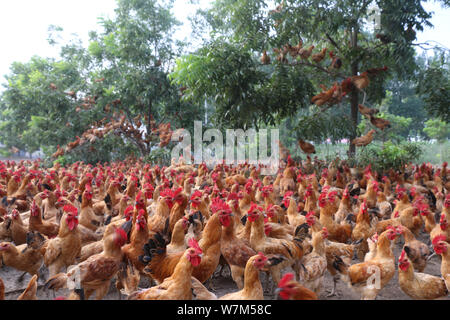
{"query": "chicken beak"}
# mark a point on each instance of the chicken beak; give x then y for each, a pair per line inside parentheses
(277, 291)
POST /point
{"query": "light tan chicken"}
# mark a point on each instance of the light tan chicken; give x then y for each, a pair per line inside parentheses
(369, 277)
(314, 264)
(62, 251)
(178, 285)
(30, 291)
(419, 286)
(252, 285)
(27, 257)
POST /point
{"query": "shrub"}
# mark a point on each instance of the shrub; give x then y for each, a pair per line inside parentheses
(389, 155)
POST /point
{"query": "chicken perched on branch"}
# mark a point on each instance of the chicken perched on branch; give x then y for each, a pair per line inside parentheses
(305, 53)
(364, 140)
(367, 112)
(306, 147)
(336, 62)
(318, 57)
(325, 96)
(380, 123)
(265, 59)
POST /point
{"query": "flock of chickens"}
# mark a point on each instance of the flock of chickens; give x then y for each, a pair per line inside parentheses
(179, 226)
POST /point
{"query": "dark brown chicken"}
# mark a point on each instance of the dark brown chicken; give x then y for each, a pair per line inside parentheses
(365, 111)
(265, 59)
(380, 123)
(306, 147)
(317, 57)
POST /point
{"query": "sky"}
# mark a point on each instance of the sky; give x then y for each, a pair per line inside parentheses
(24, 25)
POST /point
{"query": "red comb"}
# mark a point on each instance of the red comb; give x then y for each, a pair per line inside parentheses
(288, 194)
(70, 208)
(194, 244)
(439, 238)
(196, 194)
(177, 191)
(128, 210)
(288, 277)
(262, 255)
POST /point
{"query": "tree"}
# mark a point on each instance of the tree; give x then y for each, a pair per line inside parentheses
(434, 86)
(37, 103)
(437, 129)
(123, 72)
(246, 92)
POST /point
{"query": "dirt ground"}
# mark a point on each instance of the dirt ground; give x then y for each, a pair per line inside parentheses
(225, 284)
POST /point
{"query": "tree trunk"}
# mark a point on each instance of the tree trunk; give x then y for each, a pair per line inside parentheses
(354, 96)
(149, 129)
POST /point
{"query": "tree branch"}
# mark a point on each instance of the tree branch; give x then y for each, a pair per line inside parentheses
(334, 74)
(333, 42)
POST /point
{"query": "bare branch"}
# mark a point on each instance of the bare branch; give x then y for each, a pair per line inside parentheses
(333, 42)
(333, 74)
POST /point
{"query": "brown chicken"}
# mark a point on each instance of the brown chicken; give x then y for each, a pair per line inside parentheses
(88, 218)
(419, 286)
(289, 289)
(291, 251)
(314, 264)
(325, 96)
(367, 112)
(369, 277)
(30, 291)
(95, 274)
(362, 81)
(305, 53)
(317, 57)
(62, 251)
(363, 229)
(265, 59)
(336, 232)
(178, 285)
(252, 285)
(161, 265)
(35, 223)
(139, 237)
(417, 251)
(380, 123)
(27, 257)
(364, 140)
(236, 253)
(306, 147)
(16, 227)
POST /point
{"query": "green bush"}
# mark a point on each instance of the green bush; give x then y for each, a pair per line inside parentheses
(389, 155)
